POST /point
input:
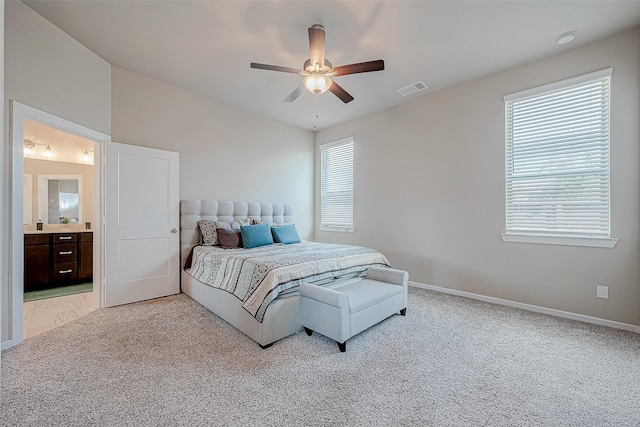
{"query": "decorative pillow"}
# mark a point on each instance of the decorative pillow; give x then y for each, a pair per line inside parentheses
(256, 235)
(285, 234)
(208, 232)
(229, 239)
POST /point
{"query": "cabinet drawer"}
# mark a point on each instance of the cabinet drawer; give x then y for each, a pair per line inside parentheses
(65, 238)
(65, 271)
(36, 239)
(67, 252)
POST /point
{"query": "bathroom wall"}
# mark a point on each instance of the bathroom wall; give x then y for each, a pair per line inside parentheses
(37, 167)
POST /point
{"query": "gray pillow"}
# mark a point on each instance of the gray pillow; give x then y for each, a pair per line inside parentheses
(229, 239)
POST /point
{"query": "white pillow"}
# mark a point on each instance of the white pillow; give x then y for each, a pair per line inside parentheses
(208, 234)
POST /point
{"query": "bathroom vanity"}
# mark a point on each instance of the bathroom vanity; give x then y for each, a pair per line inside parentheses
(53, 259)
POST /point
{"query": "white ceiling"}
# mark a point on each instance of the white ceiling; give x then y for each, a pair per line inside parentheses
(207, 46)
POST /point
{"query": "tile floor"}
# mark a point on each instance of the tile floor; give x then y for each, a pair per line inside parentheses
(45, 314)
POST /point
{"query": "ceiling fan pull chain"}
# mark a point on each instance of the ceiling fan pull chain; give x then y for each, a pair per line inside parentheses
(315, 107)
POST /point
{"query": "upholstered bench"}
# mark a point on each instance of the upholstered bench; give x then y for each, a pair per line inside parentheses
(349, 308)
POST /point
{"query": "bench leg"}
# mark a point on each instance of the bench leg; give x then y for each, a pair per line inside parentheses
(403, 312)
(342, 346)
(308, 331)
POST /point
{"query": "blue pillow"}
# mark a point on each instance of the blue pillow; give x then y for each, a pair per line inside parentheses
(256, 235)
(285, 234)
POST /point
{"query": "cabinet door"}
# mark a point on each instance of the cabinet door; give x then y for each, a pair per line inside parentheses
(85, 257)
(36, 267)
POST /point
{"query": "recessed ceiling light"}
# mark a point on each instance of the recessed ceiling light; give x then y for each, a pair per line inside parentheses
(566, 37)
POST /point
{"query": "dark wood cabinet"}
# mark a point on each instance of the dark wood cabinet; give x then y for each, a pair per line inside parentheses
(36, 261)
(85, 257)
(57, 259)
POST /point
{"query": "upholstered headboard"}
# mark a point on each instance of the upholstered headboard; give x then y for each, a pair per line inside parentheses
(192, 211)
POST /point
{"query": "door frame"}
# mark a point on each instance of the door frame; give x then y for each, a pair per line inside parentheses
(18, 113)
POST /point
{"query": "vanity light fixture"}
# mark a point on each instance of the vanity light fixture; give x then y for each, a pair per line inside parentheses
(86, 157)
(48, 153)
(29, 148)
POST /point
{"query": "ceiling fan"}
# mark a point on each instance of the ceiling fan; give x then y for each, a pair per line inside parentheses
(318, 70)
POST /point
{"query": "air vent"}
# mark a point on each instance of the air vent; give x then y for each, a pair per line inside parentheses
(413, 88)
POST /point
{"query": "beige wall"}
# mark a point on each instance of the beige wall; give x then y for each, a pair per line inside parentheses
(430, 190)
(225, 153)
(37, 167)
(47, 69)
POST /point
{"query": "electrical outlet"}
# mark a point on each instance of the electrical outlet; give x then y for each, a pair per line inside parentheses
(602, 291)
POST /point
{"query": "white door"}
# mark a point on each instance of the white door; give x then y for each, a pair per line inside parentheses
(141, 224)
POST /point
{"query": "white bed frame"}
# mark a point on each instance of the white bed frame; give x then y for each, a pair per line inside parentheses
(282, 317)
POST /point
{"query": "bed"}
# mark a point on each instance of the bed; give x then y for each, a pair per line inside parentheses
(255, 289)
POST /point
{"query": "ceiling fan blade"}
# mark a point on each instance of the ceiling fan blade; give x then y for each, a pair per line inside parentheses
(275, 68)
(295, 94)
(361, 67)
(337, 90)
(316, 45)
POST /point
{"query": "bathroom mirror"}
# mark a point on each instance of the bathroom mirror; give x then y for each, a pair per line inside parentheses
(60, 199)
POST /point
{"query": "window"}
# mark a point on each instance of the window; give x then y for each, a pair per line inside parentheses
(336, 186)
(557, 162)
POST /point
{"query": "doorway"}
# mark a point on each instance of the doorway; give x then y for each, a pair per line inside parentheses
(143, 249)
(21, 114)
(58, 189)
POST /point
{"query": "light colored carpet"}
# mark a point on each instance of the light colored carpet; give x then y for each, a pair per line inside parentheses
(450, 362)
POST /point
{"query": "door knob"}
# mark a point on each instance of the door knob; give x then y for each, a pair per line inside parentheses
(173, 230)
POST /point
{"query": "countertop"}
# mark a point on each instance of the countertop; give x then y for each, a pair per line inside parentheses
(80, 230)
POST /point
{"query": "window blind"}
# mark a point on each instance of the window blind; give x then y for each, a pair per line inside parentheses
(336, 194)
(557, 158)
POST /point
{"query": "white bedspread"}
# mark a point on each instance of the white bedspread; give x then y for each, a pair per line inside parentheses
(256, 276)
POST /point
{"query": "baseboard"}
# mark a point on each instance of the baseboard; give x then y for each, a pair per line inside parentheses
(534, 308)
(8, 344)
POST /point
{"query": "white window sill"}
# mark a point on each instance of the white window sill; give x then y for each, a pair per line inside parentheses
(593, 242)
(337, 229)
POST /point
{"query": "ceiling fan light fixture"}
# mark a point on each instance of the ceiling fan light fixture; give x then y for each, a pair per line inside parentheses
(318, 70)
(317, 83)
